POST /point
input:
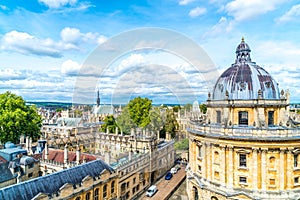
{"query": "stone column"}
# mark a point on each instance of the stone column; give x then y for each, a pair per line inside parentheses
(230, 167)
(204, 161)
(209, 161)
(223, 165)
(254, 168)
(290, 168)
(281, 169)
(264, 177)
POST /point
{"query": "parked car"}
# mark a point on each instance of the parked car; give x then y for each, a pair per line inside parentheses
(168, 176)
(151, 191)
(173, 170)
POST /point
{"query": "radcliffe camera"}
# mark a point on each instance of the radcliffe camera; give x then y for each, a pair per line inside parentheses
(149, 100)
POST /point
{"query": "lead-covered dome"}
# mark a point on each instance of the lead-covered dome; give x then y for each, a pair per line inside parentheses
(245, 80)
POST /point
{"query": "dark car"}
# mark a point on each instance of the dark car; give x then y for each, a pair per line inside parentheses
(168, 176)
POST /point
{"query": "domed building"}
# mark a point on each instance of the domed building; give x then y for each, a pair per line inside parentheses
(248, 147)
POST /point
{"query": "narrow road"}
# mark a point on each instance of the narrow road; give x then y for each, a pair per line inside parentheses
(167, 187)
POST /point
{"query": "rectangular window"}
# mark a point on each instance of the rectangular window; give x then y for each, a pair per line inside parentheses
(243, 160)
(295, 160)
(199, 151)
(199, 168)
(272, 181)
(219, 117)
(30, 175)
(134, 180)
(243, 179)
(243, 118)
(296, 180)
(270, 118)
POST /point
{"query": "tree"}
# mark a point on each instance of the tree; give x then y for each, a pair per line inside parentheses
(171, 124)
(157, 119)
(124, 121)
(139, 109)
(17, 118)
(110, 124)
(176, 108)
(203, 108)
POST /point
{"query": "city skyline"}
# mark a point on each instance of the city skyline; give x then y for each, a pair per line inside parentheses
(45, 42)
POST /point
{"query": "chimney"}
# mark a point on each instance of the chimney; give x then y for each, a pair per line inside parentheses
(30, 146)
(130, 155)
(117, 131)
(66, 154)
(78, 154)
(27, 144)
(46, 151)
(107, 157)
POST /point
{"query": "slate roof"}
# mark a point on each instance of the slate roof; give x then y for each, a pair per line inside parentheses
(5, 173)
(51, 183)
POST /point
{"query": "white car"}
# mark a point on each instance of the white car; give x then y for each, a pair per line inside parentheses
(173, 170)
(151, 191)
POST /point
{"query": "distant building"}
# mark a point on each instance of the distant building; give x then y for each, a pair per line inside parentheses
(248, 147)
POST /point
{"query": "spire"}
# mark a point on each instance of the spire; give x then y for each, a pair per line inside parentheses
(98, 98)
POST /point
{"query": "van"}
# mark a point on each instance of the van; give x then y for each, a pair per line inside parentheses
(151, 191)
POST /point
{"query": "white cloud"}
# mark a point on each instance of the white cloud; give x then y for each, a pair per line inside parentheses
(185, 2)
(27, 44)
(57, 3)
(292, 14)
(11, 74)
(101, 39)
(3, 7)
(70, 68)
(71, 39)
(223, 26)
(70, 35)
(195, 12)
(243, 10)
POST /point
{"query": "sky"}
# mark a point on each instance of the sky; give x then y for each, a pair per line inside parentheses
(45, 44)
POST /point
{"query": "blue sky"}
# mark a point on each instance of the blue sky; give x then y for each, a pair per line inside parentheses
(44, 43)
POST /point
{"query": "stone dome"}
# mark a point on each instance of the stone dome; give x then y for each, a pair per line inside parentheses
(245, 79)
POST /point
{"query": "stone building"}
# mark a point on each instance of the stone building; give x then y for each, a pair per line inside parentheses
(248, 147)
(93, 180)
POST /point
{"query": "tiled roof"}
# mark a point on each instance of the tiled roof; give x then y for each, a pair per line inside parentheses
(2, 160)
(58, 156)
(51, 183)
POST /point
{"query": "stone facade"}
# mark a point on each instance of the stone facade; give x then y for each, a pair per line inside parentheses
(247, 148)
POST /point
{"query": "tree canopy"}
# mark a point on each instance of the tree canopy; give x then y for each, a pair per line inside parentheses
(110, 124)
(203, 108)
(124, 121)
(17, 118)
(139, 110)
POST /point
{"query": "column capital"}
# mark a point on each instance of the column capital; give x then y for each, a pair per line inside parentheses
(255, 149)
(264, 150)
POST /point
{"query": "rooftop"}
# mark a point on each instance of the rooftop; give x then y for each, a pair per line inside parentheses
(50, 184)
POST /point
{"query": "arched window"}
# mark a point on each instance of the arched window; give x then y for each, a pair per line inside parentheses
(78, 198)
(112, 188)
(272, 162)
(195, 191)
(88, 196)
(214, 198)
(105, 191)
(96, 196)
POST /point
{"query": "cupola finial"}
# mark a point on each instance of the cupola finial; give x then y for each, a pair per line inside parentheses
(243, 39)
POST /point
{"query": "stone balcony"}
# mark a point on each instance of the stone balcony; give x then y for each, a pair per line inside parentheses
(245, 132)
